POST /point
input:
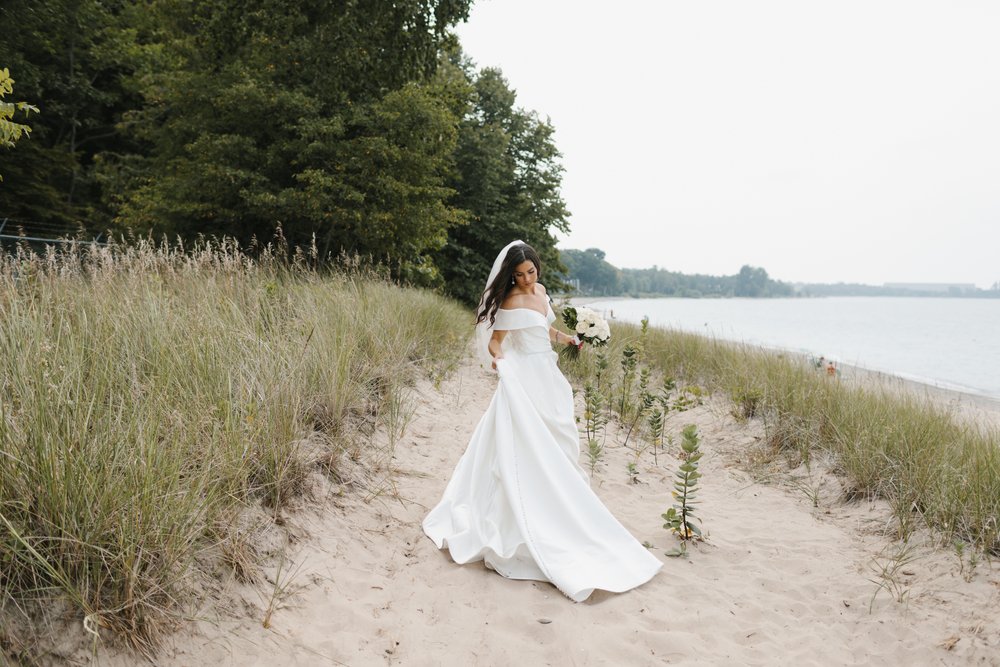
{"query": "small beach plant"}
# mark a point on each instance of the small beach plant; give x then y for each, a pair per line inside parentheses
(643, 336)
(593, 411)
(889, 572)
(595, 454)
(595, 421)
(633, 473)
(629, 363)
(679, 518)
(643, 403)
(656, 424)
(601, 364)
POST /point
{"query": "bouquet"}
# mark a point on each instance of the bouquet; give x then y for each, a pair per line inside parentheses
(589, 328)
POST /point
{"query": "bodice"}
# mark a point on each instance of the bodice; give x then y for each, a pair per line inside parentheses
(527, 329)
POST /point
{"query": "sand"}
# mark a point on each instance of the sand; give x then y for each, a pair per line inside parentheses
(779, 579)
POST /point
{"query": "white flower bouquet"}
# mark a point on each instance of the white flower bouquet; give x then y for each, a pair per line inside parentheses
(589, 327)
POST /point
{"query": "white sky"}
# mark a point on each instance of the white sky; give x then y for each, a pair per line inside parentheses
(854, 141)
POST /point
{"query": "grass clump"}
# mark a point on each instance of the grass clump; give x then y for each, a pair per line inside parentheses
(147, 392)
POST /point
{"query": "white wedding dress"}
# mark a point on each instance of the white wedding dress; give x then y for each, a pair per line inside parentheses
(518, 498)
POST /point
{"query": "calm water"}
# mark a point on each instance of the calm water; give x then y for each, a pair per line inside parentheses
(953, 343)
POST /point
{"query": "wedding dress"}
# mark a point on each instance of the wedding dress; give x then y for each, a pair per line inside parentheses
(519, 499)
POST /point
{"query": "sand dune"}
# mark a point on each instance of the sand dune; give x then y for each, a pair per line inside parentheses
(778, 581)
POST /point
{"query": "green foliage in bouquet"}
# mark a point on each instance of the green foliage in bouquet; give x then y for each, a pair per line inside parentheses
(569, 318)
(679, 517)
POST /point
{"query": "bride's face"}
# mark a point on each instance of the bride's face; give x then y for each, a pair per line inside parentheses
(525, 275)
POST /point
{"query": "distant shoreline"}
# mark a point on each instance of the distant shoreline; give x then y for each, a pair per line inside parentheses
(582, 300)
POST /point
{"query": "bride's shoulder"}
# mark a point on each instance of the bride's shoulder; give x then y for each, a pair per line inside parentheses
(541, 287)
(512, 301)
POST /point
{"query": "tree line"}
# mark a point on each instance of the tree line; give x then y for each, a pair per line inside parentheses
(356, 125)
(590, 273)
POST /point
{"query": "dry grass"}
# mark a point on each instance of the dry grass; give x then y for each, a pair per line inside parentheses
(148, 392)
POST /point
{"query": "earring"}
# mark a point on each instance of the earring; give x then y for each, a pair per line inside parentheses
(512, 281)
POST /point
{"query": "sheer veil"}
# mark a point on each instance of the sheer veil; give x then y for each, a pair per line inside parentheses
(484, 330)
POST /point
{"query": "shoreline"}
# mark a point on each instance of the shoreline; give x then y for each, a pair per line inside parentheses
(980, 407)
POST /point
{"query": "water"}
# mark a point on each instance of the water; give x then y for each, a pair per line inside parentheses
(951, 343)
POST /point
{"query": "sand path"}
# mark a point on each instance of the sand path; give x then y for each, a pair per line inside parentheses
(777, 582)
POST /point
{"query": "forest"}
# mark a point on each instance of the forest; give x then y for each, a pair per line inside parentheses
(351, 128)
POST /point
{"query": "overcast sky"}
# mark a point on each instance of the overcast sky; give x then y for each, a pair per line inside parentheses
(853, 141)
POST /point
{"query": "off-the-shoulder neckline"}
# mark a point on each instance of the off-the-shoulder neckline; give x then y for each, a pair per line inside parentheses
(545, 314)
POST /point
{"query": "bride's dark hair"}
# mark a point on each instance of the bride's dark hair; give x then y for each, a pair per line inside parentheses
(502, 284)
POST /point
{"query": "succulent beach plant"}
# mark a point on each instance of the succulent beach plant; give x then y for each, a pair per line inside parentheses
(679, 517)
(629, 363)
(595, 420)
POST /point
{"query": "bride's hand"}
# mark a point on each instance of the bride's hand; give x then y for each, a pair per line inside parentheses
(495, 360)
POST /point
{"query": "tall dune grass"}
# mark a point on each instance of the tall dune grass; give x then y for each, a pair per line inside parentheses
(930, 464)
(146, 392)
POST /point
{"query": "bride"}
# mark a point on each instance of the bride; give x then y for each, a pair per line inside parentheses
(518, 498)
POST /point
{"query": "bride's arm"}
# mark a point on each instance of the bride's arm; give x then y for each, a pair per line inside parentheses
(557, 336)
(496, 340)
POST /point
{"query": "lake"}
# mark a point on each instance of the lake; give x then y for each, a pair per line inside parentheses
(950, 343)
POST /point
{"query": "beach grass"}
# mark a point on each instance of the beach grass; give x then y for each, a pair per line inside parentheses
(148, 392)
(935, 468)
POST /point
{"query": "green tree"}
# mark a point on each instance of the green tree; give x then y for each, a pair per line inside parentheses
(591, 271)
(751, 281)
(507, 177)
(11, 130)
(70, 57)
(306, 114)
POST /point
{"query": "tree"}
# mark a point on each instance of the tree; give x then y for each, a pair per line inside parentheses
(590, 270)
(751, 281)
(507, 177)
(357, 124)
(306, 114)
(10, 130)
(70, 57)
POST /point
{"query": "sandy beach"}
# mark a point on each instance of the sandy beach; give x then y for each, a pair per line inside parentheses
(790, 573)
